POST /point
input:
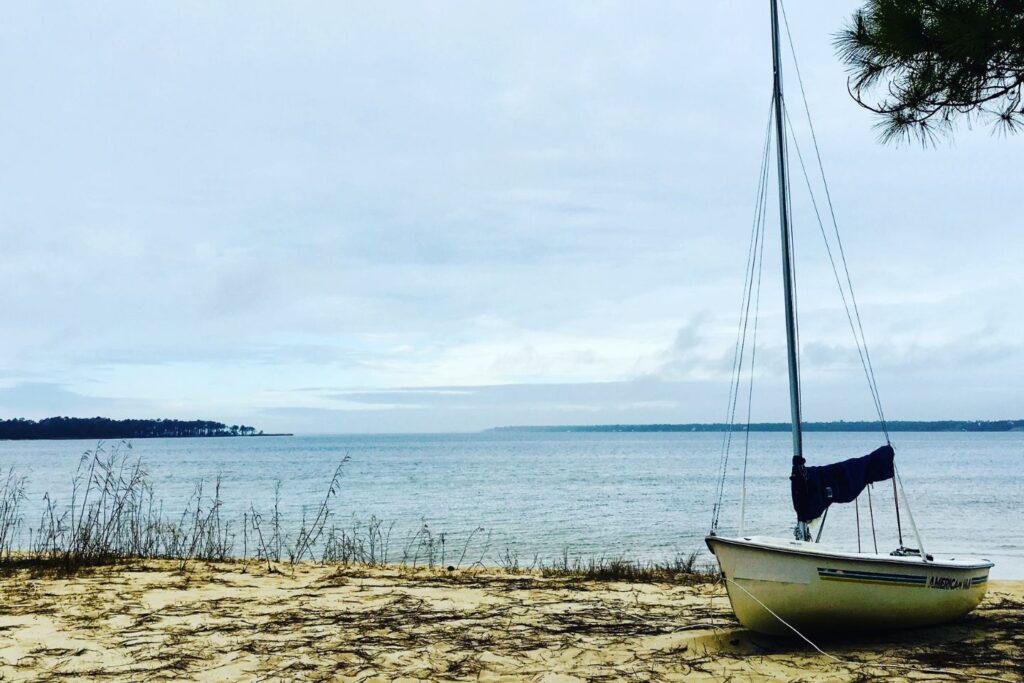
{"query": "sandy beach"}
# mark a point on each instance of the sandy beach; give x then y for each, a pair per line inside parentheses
(235, 621)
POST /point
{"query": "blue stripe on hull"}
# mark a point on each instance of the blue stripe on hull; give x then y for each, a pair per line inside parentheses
(859, 576)
(852, 574)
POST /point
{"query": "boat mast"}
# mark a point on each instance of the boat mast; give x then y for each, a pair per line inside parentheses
(787, 265)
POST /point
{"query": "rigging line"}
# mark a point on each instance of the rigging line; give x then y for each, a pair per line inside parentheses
(821, 528)
(871, 511)
(741, 344)
(741, 333)
(753, 358)
(856, 509)
(910, 515)
(743, 340)
(749, 269)
(835, 272)
(896, 502)
(897, 479)
(733, 380)
(722, 459)
(835, 223)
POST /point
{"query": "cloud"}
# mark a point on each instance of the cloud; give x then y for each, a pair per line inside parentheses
(210, 210)
(34, 400)
(461, 408)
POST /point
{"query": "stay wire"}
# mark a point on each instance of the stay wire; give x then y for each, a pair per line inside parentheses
(835, 224)
(753, 356)
(835, 272)
(856, 510)
(738, 352)
(871, 512)
(738, 357)
(723, 458)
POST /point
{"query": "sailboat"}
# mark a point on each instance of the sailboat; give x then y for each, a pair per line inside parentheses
(785, 585)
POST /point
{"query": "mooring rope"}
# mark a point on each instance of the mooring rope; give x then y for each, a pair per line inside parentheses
(881, 665)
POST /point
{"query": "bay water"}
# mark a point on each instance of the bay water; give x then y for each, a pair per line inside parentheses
(537, 497)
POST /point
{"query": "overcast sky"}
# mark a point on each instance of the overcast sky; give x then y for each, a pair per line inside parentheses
(409, 216)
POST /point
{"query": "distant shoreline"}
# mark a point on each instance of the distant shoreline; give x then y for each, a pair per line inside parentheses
(106, 429)
(840, 426)
(134, 438)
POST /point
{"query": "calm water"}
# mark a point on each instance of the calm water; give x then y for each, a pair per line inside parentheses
(637, 496)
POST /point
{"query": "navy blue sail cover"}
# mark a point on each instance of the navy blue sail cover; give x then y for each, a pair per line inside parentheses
(815, 488)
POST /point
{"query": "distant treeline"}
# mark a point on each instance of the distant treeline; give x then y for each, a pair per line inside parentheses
(840, 426)
(105, 428)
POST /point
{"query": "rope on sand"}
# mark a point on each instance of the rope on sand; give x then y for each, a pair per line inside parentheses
(905, 667)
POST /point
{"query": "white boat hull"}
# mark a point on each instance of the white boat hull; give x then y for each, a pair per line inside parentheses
(819, 590)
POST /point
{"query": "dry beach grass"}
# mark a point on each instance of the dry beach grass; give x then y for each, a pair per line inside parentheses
(151, 620)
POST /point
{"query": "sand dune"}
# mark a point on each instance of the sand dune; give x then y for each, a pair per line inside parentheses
(238, 622)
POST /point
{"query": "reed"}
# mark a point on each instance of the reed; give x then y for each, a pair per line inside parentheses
(11, 495)
(367, 544)
(309, 536)
(681, 568)
(113, 515)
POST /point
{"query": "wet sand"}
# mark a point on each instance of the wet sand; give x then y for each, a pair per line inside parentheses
(235, 621)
